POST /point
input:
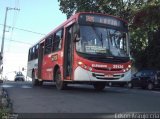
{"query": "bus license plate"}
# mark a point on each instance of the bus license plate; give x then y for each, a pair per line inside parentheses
(109, 76)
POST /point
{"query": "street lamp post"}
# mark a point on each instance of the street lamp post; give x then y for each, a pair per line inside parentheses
(3, 35)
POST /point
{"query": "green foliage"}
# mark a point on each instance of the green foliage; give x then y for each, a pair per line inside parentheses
(152, 52)
(71, 6)
(147, 21)
(121, 8)
(143, 18)
(3, 113)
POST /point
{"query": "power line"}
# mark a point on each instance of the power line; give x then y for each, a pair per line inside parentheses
(18, 41)
(24, 30)
(21, 42)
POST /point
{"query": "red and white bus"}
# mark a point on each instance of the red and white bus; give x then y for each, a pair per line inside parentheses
(87, 48)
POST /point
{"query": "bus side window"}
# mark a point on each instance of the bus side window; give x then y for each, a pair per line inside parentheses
(29, 54)
(48, 44)
(57, 42)
(33, 53)
(36, 52)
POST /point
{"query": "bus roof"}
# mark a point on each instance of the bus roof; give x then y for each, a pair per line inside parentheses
(75, 16)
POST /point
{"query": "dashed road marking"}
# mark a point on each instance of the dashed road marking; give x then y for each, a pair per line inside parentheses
(12, 86)
(158, 92)
(7, 86)
(25, 86)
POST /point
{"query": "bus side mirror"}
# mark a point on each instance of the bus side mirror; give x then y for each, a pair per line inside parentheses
(76, 38)
(76, 31)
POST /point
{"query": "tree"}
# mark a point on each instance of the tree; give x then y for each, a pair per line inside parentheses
(147, 20)
(121, 8)
(70, 7)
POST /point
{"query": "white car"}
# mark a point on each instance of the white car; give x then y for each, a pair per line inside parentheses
(19, 77)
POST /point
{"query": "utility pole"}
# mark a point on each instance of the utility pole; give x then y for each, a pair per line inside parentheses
(3, 37)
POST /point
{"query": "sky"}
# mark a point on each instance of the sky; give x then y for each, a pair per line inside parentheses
(41, 16)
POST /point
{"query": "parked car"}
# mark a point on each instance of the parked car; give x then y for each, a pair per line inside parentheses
(147, 78)
(19, 77)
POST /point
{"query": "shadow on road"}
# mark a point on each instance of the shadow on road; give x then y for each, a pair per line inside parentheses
(77, 88)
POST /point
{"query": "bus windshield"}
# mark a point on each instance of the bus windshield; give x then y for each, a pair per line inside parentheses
(102, 41)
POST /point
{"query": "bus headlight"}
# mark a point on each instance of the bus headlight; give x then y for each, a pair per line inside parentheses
(90, 68)
(80, 63)
(85, 66)
(129, 66)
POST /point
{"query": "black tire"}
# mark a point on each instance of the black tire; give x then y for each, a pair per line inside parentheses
(35, 82)
(99, 86)
(40, 83)
(150, 86)
(59, 82)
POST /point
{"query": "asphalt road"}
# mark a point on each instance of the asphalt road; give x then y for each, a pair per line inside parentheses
(80, 99)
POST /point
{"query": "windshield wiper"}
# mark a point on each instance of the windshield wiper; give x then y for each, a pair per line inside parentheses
(100, 37)
(101, 40)
(108, 36)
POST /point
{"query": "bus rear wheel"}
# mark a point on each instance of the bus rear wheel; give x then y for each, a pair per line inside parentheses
(99, 86)
(59, 82)
(35, 82)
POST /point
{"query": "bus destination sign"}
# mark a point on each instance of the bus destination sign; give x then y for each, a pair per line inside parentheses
(101, 19)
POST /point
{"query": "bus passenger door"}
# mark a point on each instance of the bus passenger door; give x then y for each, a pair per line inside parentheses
(68, 52)
(40, 59)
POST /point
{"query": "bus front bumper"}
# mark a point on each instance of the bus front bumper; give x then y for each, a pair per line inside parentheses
(81, 74)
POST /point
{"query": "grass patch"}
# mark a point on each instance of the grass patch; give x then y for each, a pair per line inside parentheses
(4, 113)
(5, 105)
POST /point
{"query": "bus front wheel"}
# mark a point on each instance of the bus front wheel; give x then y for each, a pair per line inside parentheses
(59, 82)
(99, 86)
